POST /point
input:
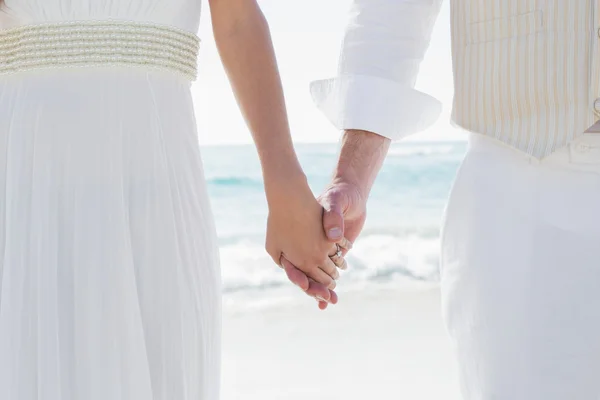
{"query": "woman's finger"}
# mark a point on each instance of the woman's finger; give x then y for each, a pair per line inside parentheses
(322, 277)
(338, 258)
(345, 244)
(330, 268)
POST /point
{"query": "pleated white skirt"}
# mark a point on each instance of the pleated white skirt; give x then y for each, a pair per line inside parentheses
(109, 281)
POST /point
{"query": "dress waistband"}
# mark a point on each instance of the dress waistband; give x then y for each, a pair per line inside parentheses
(99, 43)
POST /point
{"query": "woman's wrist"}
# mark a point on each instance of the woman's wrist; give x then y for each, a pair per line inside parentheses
(279, 162)
(284, 178)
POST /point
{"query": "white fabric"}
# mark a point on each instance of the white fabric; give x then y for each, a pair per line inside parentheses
(182, 14)
(109, 280)
(521, 272)
(524, 71)
(383, 47)
(98, 43)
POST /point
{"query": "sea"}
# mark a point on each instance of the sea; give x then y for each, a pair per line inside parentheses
(399, 245)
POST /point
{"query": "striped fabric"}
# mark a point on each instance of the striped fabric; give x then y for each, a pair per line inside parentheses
(526, 72)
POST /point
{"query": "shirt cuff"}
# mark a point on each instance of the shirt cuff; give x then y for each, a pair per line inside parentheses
(374, 104)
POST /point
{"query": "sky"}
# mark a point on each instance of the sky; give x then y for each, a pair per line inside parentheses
(307, 36)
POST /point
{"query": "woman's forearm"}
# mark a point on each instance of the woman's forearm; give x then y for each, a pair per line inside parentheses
(294, 225)
(244, 43)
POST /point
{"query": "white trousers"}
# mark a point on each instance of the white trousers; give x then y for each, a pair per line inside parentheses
(521, 272)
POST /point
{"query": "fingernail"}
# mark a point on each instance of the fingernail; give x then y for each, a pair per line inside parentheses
(335, 233)
(320, 298)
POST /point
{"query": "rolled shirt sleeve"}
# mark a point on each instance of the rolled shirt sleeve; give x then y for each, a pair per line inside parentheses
(383, 47)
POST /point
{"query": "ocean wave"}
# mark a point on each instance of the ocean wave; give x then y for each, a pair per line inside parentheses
(236, 181)
(375, 258)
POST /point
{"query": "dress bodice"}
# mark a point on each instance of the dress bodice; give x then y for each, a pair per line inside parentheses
(183, 14)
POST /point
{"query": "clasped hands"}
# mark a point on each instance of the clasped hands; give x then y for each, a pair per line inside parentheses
(310, 237)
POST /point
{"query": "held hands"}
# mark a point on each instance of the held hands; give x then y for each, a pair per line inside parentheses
(344, 203)
(342, 214)
(295, 237)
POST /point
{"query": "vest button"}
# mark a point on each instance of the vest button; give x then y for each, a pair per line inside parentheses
(583, 148)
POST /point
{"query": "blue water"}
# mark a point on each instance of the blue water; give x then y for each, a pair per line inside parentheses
(401, 236)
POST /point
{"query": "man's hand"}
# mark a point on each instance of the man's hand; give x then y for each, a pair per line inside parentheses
(345, 211)
(345, 200)
(320, 292)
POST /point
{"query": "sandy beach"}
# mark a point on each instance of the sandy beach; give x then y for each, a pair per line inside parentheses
(388, 343)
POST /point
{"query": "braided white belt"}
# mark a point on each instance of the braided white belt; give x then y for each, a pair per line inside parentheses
(99, 43)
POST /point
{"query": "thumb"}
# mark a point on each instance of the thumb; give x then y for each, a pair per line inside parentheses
(333, 217)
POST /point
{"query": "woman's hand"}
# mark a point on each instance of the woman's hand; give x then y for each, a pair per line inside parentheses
(295, 230)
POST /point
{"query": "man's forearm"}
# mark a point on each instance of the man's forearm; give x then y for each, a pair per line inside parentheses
(360, 160)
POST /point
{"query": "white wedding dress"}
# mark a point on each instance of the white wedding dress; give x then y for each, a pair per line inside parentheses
(109, 280)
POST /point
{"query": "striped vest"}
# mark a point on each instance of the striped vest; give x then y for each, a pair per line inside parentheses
(526, 72)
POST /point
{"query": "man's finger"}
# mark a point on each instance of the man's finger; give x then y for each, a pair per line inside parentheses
(296, 276)
(311, 287)
(316, 289)
(333, 217)
(333, 297)
(320, 292)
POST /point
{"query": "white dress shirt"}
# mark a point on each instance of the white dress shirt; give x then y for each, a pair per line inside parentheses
(383, 47)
